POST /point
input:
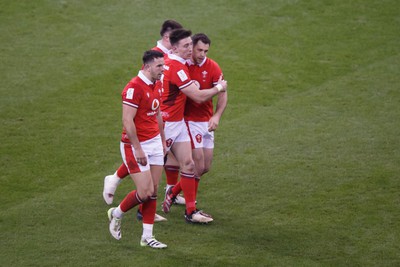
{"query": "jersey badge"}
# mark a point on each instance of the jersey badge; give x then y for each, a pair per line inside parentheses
(129, 93)
(168, 142)
(182, 75)
(198, 138)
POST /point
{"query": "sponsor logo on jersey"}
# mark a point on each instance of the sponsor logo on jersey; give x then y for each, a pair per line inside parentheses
(154, 106)
(152, 113)
(164, 115)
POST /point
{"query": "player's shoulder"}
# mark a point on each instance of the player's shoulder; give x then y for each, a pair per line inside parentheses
(135, 83)
(174, 62)
(212, 66)
(177, 67)
(167, 60)
(212, 62)
(156, 48)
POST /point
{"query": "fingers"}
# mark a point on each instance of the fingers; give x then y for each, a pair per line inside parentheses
(142, 161)
(212, 127)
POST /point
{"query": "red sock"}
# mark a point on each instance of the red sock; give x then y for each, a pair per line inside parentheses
(122, 171)
(131, 200)
(172, 174)
(189, 187)
(149, 210)
(140, 208)
(197, 181)
(176, 189)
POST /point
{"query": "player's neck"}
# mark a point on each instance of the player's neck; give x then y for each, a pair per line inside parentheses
(165, 44)
(148, 76)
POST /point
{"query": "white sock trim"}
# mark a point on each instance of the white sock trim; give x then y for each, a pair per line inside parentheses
(118, 213)
(147, 230)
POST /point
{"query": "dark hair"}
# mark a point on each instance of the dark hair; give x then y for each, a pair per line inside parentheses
(201, 37)
(178, 34)
(169, 25)
(150, 55)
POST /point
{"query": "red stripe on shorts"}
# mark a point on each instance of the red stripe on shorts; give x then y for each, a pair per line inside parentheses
(133, 166)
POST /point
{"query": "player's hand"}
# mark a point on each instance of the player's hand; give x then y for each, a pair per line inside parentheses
(213, 124)
(140, 157)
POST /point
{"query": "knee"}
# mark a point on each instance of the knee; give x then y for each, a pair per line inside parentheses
(149, 193)
(146, 194)
(207, 167)
(188, 165)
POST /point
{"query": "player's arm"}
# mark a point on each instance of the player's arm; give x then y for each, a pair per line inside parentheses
(199, 96)
(128, 114)
(222, 102)
(161, 127)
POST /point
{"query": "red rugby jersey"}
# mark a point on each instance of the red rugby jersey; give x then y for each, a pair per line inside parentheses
(205, 76)
(142, 94)
(159, 47)
(176, 77)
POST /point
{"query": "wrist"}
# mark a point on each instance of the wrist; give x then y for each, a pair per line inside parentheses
(219, 87)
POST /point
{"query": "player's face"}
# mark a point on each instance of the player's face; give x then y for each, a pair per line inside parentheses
(184, 48)
(157, 68)
(200, 51)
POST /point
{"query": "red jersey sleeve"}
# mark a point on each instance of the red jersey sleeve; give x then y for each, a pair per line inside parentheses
(180, 77)
(131, 97)
(216, 73)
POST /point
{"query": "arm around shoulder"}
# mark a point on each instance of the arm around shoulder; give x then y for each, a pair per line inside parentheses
(200, 96)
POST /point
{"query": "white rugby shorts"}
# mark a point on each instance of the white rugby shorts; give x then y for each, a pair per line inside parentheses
(199, 135)
(175, 131)
(152, 148)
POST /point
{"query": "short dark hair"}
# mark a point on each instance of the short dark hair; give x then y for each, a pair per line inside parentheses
(178, 34)
(169, 25)
(150, 55)
(201, 37)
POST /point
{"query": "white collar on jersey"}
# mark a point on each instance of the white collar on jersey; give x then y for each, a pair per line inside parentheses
(177, 58)
(144, 78)
(163, 48)
(190, 62)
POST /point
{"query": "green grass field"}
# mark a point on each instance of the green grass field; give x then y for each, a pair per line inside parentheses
(307, 160)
